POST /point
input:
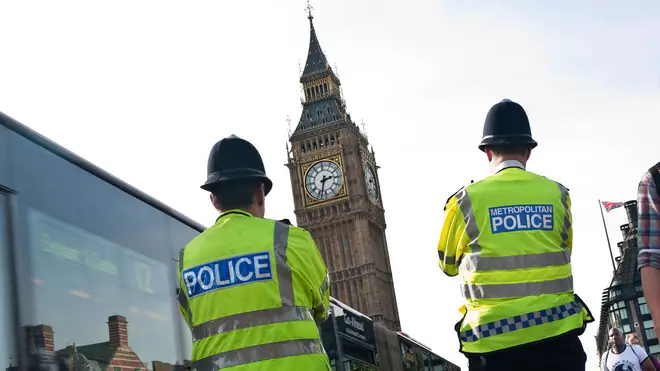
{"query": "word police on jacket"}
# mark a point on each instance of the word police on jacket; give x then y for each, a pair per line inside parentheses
(229, 272)
(514, 218)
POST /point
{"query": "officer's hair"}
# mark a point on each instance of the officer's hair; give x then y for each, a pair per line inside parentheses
(235, 195)
(509, 150)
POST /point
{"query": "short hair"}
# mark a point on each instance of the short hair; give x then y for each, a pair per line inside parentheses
(510, 150)
(235, 195)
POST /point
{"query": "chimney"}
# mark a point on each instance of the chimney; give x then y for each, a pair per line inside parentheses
(625, 230)
(42, 337)
(118, 330)
(631, 211)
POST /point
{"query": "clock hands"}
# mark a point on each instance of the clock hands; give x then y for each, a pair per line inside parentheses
(323, 180)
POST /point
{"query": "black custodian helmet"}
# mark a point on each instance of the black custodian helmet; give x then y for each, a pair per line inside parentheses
(233, 159)
(507, 125)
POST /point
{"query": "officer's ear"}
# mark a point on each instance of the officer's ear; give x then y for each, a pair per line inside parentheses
(489, 154)
(260, 195)
(529, 153)
(214, 201)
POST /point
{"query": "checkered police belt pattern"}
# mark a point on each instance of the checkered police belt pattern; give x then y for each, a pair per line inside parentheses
(520, 322)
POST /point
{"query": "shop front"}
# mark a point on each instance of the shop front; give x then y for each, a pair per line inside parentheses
(348, 338)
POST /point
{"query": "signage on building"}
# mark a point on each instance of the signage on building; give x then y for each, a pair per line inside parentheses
(356, 327)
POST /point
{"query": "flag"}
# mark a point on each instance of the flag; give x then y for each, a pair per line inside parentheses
(609, 206)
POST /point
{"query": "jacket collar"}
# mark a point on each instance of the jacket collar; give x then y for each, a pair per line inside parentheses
(508, 164)
(234, 211)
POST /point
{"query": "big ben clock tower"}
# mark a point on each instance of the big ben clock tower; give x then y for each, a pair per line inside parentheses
(337, 195)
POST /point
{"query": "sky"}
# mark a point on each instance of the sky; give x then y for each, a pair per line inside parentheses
(144, 89)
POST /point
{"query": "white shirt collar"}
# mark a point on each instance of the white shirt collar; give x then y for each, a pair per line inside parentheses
(507, 164)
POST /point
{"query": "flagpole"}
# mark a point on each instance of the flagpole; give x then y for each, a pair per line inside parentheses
(600, 206)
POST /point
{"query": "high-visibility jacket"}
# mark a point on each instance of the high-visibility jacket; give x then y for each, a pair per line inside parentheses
(252, 291)
(509, 237)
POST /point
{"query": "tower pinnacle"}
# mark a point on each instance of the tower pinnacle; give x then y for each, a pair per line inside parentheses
(309, 9)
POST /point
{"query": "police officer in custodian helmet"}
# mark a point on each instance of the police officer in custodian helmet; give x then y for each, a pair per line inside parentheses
(510, 237)
(252, 290)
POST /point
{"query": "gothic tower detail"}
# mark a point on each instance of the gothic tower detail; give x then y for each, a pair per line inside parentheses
(336, 193)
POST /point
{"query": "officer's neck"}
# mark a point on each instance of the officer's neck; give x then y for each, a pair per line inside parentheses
(501, 163)
(254, 210)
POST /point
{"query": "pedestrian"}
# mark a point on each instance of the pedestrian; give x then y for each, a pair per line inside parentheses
(510, 237)
(252, 290)
(624, 357)
(634, 340)
(648, 239)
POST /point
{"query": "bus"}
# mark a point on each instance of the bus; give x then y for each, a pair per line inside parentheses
(88, 264)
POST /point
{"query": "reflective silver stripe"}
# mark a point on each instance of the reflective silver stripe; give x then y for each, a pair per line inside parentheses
(319, 309)
(280, 243)
(451, 260)
(567, 220)
(516, 290)
(182, 297)
(258, 353)
(471, 227)
(325, 284)
(476, 262)
(250, 319)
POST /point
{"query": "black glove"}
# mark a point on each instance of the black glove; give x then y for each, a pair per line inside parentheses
(285, 221)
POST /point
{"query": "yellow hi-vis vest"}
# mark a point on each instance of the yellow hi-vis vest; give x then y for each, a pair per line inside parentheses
(250, 291)
(509, 237)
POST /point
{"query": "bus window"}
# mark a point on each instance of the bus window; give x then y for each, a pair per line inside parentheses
(7, 359)
(98, 269)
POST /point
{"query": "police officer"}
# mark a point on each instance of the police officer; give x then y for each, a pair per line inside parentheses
(510, 238)
(252, 290)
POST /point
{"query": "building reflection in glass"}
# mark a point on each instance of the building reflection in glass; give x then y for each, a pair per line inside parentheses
(114, 354)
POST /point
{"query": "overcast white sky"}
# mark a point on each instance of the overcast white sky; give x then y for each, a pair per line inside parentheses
(144, 89)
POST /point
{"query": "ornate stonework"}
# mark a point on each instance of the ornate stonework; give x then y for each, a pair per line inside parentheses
(349, 226)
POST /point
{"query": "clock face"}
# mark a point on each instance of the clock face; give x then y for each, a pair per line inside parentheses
(323, 180)
(370, 181)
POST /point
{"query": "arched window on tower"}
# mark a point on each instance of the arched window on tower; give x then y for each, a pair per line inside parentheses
(309, 146)
(320, 142)
(325, 88)
(332, 139)
(317, 90)
(302, 147)
(314, 145)
(308, 95)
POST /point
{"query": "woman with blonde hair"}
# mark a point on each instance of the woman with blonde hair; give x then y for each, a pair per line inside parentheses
(634, 340)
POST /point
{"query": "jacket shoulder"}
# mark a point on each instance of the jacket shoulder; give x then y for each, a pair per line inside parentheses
(296, 234)
(455, 193)
(560, 185)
